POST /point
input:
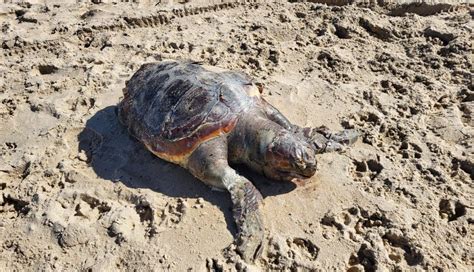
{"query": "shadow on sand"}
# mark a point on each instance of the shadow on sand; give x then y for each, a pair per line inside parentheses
(116, 156)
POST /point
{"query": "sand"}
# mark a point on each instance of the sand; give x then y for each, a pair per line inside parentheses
(77, 193)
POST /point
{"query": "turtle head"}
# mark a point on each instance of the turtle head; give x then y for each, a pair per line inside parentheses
(287, 157)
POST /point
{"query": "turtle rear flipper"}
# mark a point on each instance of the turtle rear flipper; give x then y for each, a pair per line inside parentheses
(209, 164)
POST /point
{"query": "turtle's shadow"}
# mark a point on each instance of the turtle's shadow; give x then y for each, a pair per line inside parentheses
(114, 155)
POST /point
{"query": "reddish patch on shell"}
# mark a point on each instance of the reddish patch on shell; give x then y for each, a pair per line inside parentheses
(178, 151)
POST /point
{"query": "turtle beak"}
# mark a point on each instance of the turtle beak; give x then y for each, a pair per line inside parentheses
(305, 162)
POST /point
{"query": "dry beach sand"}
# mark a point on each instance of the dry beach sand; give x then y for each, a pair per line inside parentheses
(78, 194)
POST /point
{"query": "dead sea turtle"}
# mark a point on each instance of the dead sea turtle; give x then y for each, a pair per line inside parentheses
(204, 120)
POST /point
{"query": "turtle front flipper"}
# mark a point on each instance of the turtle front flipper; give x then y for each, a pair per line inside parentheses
(247, 215)
(276, 116)
(321, 138)
(324, 140)
(209, 164)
